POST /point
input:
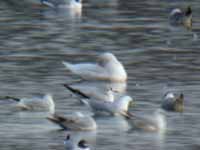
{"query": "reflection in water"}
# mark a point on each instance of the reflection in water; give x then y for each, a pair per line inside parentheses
(195, 37)
(112, 124)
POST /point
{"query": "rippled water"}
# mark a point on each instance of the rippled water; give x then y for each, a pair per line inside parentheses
(34, 41)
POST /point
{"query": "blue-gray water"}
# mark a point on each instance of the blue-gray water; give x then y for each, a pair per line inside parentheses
(34, 41)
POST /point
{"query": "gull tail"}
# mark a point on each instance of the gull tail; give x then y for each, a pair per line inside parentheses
(75, 91)
(11, 97)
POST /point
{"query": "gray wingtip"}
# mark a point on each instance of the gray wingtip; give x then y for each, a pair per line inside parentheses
(11, 98)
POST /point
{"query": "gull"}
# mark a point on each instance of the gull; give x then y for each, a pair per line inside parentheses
(118, 107)
(151, 123)
(172, 103)
(44, 103)
(75, 6)
(106, 68)
(113, 106)
(62, 3)
(179, 17)
(78, 122)
(70, 145)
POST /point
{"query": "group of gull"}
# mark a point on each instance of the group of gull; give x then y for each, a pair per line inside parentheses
(107, 100)
(177, 16)
(110, 102)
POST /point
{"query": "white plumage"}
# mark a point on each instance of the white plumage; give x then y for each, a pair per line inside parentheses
(107, 67)
(44, 103)
(117, 107)
(78, 122)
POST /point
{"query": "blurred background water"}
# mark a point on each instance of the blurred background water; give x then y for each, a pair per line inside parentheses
(34, 41)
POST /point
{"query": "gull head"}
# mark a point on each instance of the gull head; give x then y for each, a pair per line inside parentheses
(105, 58)
(113, 67)
(48, 96)
(50, 102)
(124, 102)
(110, 94)
(175, 11)
(128, 99)
(169, 95)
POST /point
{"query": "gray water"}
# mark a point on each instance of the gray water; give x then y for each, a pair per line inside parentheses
(34, 41)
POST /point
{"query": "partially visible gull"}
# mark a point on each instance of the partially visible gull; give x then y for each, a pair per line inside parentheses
(62, 3)
(151, 123)
(178, 17)
(91, 92)
(171, 102)
(78, 122)
(70, 145)
(74, 6)
(44, 103)
(117, 107)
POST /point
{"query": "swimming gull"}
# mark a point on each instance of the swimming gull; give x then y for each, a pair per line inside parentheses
(117, 107)
(44, 103)
(171, 102)
(78, 122)
(74, 4)
(151, 123)
(179, 17)
(107, 67)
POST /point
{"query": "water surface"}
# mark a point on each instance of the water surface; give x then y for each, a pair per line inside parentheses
(34, 41)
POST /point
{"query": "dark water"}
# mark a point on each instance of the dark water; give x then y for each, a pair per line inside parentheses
(34, 41)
